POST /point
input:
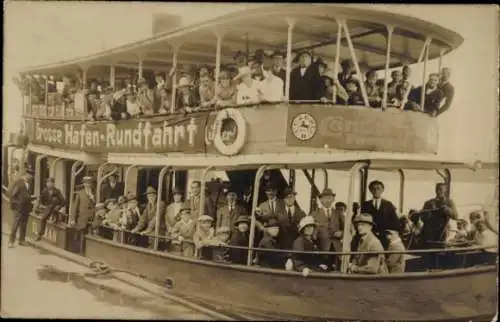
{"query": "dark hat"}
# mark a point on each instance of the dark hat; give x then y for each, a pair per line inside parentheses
(177, 191)
(340, 204)
(289, 191)
(327, 192)
(277, 53)
(269, 187)
(150, 190)
(321, 62)
(241, 219)
(346, 63)
(364, 217)
(272, 222)
(375, 182)
(391, 232)
(300, 53)
(50, 179)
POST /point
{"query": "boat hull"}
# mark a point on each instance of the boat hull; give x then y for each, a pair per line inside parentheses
(465, 293)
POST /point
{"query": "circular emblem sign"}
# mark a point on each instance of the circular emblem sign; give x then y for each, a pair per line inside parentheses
(304, 126)
(230, 131)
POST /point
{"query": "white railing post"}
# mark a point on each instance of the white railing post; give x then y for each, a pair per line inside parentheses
(220, 36)
(112, 73)
(356, 65)
(426, 58)
(291, 24)
(337, 59)
(387, 63)
(176, 48)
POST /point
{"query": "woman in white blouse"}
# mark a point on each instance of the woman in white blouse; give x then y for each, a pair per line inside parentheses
(248, 89)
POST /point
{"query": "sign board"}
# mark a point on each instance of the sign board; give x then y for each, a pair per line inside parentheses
(366, 129)
(161, 134)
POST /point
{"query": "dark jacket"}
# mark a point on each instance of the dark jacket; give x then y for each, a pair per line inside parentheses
(192, 101)
(301, 261)
(52, 201)
(83, 209)
(448, 92)
(432, 99)
(108, 192)
(239, 256)
(435, 218)
(20, 197)
(384, 218)
(289, 227)
(308, 87)
(270, 259)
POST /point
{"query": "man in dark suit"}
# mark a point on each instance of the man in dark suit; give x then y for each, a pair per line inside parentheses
(21, 206)
(194, 202)
(433, 97)
(383, 212)
(290, 224)
(278, 60)
(113, 189)
(230, 211)
(305, 81)
(50, 202)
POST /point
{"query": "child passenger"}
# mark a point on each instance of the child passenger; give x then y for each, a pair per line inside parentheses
(269, 241)
(203, 237)
(220, 251)
(240, 237)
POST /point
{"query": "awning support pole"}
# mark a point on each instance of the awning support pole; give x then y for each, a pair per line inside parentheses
(158, 201)
(38, 177)
(127, 172)
(346, 240)
(53, 166)
(401, 189)
(74, 173)
(291, 24)
(337, 58)
(112, 73)
(218, 53)
(390, 29)
(176, 48)
(356, 64)
(426, 58)
(140, 67)
(101, 178)
(440, 61)
(255, 200)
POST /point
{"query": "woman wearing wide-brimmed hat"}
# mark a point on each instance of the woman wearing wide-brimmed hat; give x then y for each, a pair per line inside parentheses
(306, 263)
(188, 96)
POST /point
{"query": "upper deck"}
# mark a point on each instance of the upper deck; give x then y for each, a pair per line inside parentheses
(58, 118)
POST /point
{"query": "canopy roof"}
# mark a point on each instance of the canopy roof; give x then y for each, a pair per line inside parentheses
(266, 27)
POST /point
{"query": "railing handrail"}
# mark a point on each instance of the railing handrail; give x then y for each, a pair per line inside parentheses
(415, 251)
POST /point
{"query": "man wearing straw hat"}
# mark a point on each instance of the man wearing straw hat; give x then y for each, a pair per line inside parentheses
(82, 212)
(21, 206)
(367, 263)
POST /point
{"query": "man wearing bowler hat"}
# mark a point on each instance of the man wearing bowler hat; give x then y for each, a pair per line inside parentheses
(305, 81)
(289, 223)
(227, 214)
(367, 263)
(82, 212)
(21, 205)
(382, 210)
(50, 202)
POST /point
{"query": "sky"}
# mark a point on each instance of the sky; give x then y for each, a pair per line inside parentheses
(44, 32)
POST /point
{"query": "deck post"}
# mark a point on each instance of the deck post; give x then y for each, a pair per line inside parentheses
(291, 24)
(30, 79)
(53, 166)
(390, 29)
(112, 73)
(420, 58)
(356, 64)
(440, 61)
(176, 48)
(255, 200)
(46, 95)
(447, 173)
(325, 178)
(74, 173)
(337, 58)
(202, 188)
(158, 201)
(218, 53)
(139, 67)
(38, 179)
(401, 189)
(424, 72)
(346, 240)
(127, 172)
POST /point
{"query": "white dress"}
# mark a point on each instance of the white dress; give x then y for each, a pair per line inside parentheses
(248, 94)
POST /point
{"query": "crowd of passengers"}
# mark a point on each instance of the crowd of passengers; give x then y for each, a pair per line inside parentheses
(261, 78)
(221, 233)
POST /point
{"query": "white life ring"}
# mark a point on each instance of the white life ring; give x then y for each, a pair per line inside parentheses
(239, 142)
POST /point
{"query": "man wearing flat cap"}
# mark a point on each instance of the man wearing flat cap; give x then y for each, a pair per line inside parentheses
(50, 202)
(383, 212)
(367, 263)
(305, 81)
(21, 206)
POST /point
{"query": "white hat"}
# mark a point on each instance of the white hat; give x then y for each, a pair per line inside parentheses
(183, 82)
(306, 221)
(243, 71)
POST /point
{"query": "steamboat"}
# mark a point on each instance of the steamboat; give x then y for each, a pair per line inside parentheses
(63, 138)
